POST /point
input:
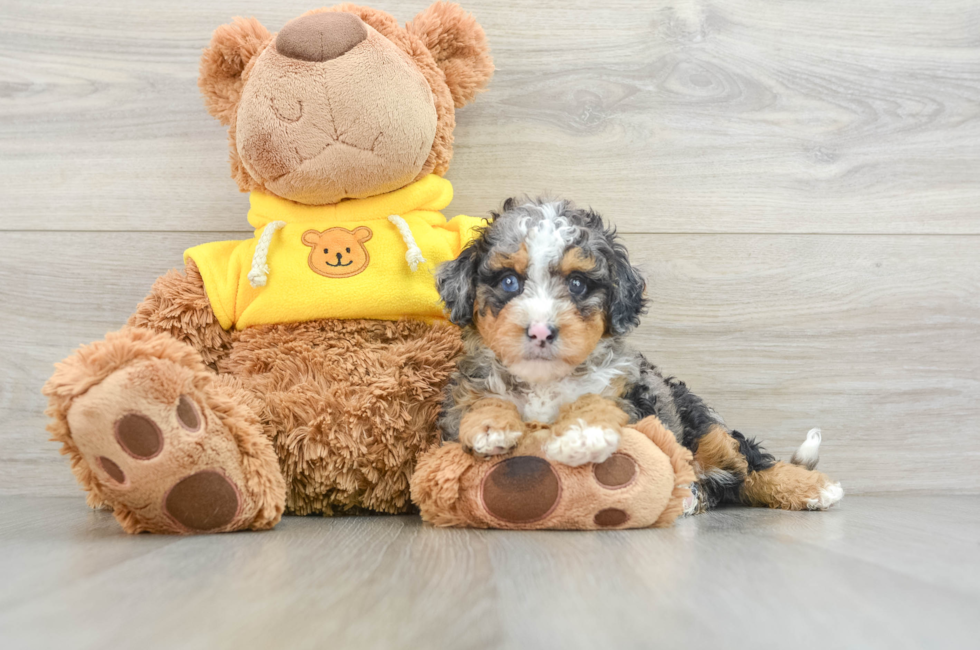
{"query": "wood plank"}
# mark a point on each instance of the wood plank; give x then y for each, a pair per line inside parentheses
(49, 544)
(732, 578)
(887, 531)
(669, 115)
(872, 338)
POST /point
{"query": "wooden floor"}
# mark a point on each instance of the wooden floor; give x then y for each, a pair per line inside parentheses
(878, 572)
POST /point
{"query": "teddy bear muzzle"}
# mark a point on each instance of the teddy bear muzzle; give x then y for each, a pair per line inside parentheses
(320, 37)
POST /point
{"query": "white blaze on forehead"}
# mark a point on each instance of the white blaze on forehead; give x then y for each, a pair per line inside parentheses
(547, 237)
(537, 304)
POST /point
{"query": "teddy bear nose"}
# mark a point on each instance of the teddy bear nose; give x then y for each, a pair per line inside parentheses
(320, 37)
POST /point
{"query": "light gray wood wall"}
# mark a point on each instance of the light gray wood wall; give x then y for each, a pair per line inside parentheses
(801, 181)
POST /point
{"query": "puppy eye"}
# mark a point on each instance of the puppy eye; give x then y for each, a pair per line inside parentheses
(510, 283)
(577, 286)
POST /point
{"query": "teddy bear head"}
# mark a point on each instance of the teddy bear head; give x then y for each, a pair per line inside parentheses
(343, 102)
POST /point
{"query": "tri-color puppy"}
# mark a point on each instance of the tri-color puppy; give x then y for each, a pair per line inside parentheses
(546, 296)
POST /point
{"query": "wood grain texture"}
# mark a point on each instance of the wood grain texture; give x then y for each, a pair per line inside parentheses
(800, 179)
(670, 115)
(734, 578)
(871, 338)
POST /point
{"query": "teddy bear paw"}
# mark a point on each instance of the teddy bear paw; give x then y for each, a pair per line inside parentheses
(162, 459)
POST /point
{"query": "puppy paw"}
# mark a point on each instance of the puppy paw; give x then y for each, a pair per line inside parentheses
(494, 442)
(580, 444)
(830, 494)
(692, 504)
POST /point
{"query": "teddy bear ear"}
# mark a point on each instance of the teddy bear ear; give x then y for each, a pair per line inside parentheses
(363, 234)
(311, 237)
(223, 62)
(459, 47)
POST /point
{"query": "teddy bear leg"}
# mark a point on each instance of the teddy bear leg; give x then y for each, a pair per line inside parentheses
(168, 445)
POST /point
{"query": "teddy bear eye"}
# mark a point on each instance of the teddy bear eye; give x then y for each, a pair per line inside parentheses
(348, 250)
(326, 250)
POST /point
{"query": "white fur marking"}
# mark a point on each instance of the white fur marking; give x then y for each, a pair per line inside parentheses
(582, 444)
(543, 403)
(537, 304)
(495, 442)
(830, 494)
(691, 503)
(546, 243)
(544, 400)
(808, 453)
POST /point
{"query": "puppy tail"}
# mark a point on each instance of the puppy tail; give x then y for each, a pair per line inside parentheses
(808, 454)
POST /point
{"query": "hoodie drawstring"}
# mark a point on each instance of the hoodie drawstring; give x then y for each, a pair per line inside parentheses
(259, 274)
(414, 254)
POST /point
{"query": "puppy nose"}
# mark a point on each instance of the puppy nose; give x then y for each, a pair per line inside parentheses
(542, 332)
(320, 37)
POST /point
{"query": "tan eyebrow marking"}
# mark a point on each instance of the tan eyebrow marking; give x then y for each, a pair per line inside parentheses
(576, 260)
(516, 261)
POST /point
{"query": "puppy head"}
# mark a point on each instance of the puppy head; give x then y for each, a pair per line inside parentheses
(543, 283)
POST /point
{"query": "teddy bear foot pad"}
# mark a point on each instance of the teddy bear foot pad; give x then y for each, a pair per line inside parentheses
(526, 489)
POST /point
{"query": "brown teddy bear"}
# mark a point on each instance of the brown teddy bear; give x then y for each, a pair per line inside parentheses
(302, 369)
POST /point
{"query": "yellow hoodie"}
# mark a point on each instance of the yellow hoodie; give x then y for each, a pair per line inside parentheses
(360, 258)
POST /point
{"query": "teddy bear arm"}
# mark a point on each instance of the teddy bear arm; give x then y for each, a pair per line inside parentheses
(178, 305)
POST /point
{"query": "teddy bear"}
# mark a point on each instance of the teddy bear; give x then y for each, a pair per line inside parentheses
(300, 370)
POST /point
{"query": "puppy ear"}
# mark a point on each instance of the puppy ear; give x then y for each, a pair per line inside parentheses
(459, 47)
(456, 283)
(232, 47)
(508, 205)
(626, 301)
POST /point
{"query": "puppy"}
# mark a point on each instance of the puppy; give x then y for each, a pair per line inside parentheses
(546, 296)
